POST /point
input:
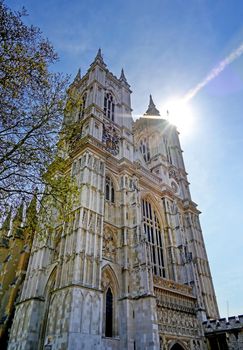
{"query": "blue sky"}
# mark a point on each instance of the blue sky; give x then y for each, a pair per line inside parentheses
(167, 47)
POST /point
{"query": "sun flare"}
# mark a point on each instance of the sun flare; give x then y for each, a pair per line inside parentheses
(179, 113)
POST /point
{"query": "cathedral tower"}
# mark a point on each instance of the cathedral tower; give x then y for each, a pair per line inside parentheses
(130, 271)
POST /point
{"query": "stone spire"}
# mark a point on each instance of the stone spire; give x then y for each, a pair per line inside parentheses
(77, 79)
(17, 230)
(31, 213)
(99, 58)
(152, 110)
(19, 213)
(122, 76)
(78, 76)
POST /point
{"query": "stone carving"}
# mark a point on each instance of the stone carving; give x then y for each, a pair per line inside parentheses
(174, 174)
(176, 322)
(110, 138)
(176, 313)
(105, 280)
(109, 245)
(168, 284)
(174, 187)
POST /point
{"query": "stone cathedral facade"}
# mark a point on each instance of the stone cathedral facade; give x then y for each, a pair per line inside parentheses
(131, 270)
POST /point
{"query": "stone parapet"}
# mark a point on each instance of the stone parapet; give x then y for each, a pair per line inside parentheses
(223, 325)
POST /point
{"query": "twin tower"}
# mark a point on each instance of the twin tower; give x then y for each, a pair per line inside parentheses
(130, 271)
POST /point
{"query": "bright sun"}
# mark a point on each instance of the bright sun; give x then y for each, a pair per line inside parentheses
(179, 113)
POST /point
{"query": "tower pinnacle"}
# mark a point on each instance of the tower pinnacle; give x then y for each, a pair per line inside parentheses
(78, 75)
(152, 110)
(99, 58)
(122, 76)
(99, 54)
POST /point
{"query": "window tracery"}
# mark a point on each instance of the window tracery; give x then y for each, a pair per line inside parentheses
(109, 190)
(109, 106)
(144, 149)
(168, 153)
(153, 233)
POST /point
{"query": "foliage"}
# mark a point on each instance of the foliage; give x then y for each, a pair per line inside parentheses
(32, 100)
(59, 200)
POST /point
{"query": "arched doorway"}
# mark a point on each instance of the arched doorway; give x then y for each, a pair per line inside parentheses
(177, 347)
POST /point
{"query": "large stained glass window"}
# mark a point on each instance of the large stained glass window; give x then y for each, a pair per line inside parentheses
(153, 233)
(109, 106)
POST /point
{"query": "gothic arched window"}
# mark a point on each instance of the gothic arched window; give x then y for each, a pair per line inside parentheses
(109, 313)
(168, 153)
(153, 233)
(109, 190)
(109, 106)
(82, 105)
(144, 149)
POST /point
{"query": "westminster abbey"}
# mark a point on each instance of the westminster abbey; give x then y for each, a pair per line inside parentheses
(130, 272)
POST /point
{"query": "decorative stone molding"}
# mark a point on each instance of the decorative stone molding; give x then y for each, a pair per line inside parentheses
(172, 286)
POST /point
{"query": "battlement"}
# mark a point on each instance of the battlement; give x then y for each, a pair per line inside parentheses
(223, 325)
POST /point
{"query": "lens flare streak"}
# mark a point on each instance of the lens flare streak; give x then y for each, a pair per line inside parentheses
(215, 72)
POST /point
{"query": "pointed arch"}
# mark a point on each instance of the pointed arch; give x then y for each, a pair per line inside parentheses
(110, 288)
(113, 178)
(51, 279)
(156, 204)
(177, 345)
(109, 278)
(109, 105)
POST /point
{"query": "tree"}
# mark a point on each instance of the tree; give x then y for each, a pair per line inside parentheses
(32, 100)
